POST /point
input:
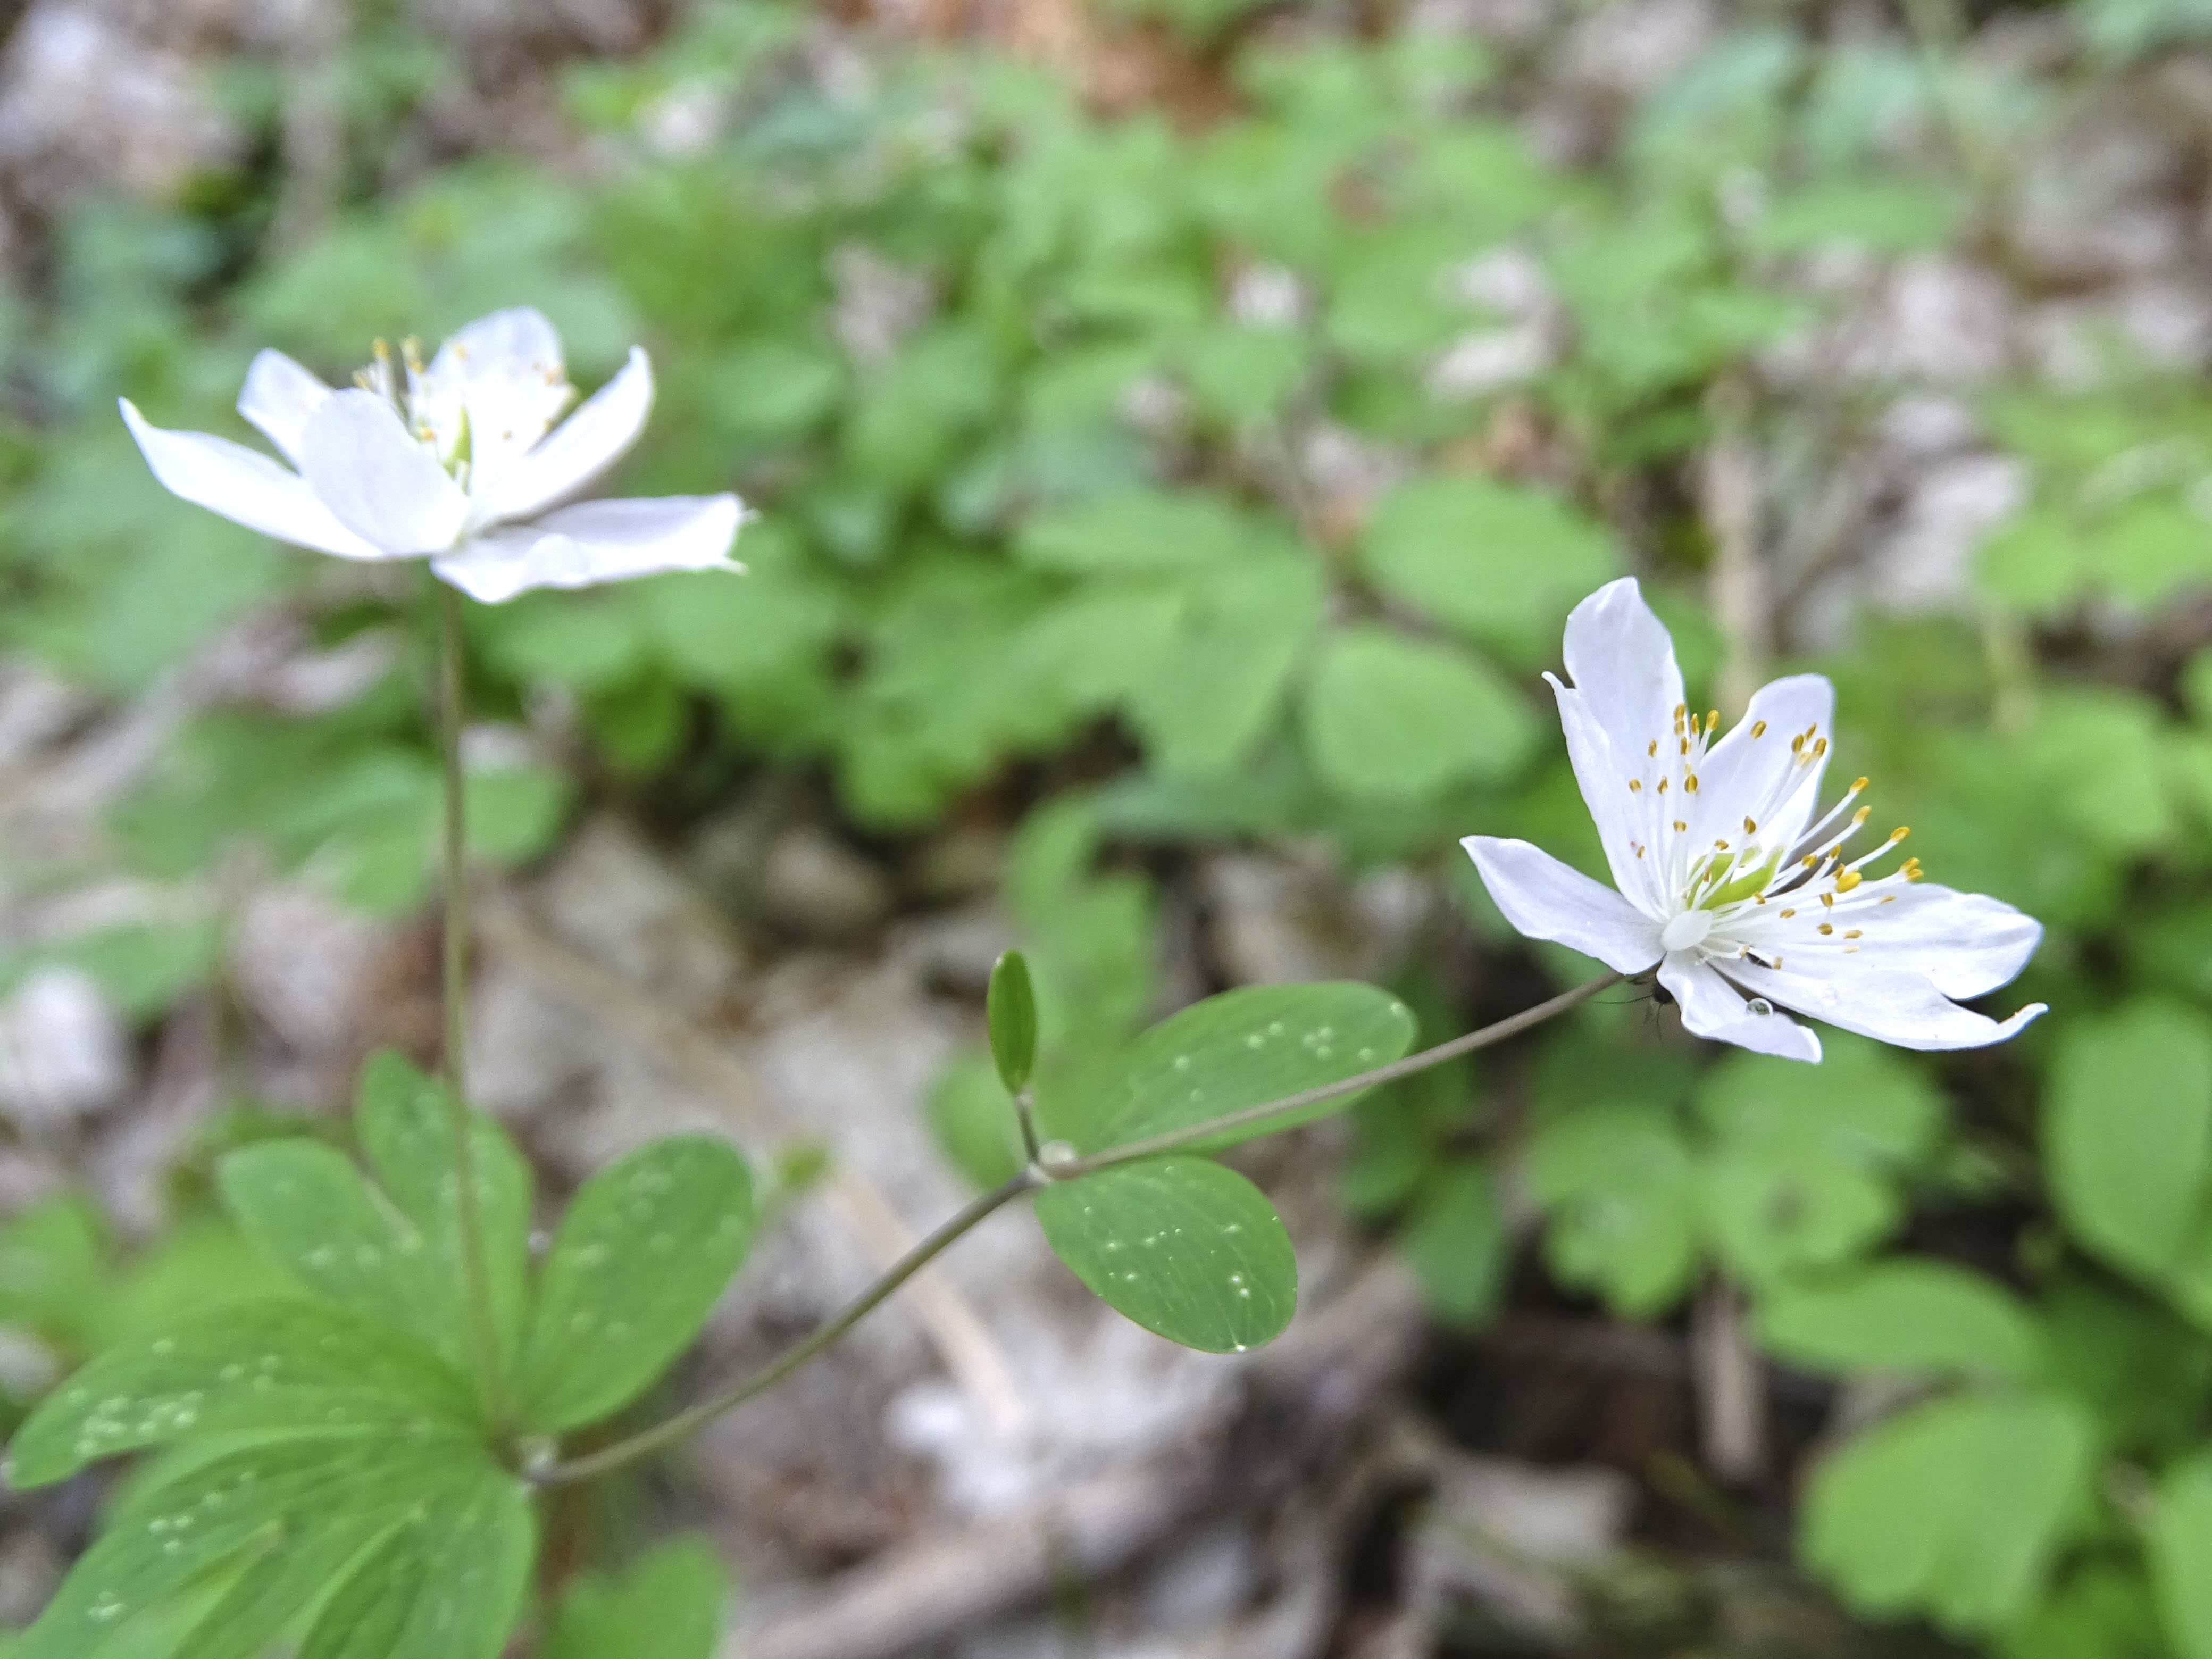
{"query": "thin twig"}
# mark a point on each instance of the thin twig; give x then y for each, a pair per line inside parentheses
(1172, 1139)
(453, 991)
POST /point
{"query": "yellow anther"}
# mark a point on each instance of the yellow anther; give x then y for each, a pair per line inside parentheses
(1810, 862)
(1827, 927)
(1759, 728)
(1639, 850)
(1900, 832)
(1662, 786)
(1858, 784)
(1681, 709)
(1797, 744)
(1847, 880)
(1854, 933)
(1712, 721)
(1861, 816)
(1889, 898)
(1654, 749)
(1750, 828)
(1685, 745)
(1819, 748)
(1786, 914)
(1680, 825)
(1636, 786)
(1777, 962)
(1689, 782)
(1828, 900)
(1721, 845)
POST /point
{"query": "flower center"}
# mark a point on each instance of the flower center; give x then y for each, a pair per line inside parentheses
(1733, 867)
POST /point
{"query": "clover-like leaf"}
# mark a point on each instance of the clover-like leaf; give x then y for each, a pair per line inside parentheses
(669, 1605)
(1243, 1048)
(251, 1367)
(645, 1250)
(1181, 1246)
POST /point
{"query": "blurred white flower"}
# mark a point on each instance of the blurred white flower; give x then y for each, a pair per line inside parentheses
(459, 461)
(1726, 881)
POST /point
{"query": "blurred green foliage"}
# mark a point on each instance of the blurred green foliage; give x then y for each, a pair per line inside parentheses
(1055, 495)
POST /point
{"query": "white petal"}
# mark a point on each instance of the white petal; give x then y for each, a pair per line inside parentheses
(280, 397)
(1760, 777)
(505, 371)
(380, 482)
(1547, 899)
(1966, 944)
(598, 542)
(1620, 658)
(1711, 1009)
(1906, 1009)
(575, 453)
(244, 486)
(1623, 821)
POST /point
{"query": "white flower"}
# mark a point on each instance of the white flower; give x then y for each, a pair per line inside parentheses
(459, 462)
(1726, 881)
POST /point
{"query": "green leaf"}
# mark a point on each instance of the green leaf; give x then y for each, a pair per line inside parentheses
(973, 1123)
(1215, 689)
(644, 1251)
(2128, 1132)
(1773, 1211)
(1010, 1012)
(1915, 1316)
(1862, 1104)
(1389, 717)
(405, 1124)
(446, 1583)
(1456, 1243)
(669, 1605)
(1499, 563)
(1952, 1509)
(1621, 1194)
(244, 1367)
(1139, 530)
(1181, 1246)
(2180, 1537)
(1243, 1048)
(306, 1207)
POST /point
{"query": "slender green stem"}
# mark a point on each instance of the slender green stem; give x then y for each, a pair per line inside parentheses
(1153, 1145)
(468, 1204)
(647, 1442)
(1025, 1116)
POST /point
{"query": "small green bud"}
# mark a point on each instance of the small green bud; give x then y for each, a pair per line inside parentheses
(1011, 1011)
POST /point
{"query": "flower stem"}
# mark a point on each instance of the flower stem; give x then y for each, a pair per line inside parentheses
(647, 1442)
(468, 1200)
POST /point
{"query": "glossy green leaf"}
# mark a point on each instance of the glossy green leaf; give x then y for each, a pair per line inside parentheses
(1913, 1317)
(1139, 530)
(669, 1604)
(306, 1207)
(972, 1120)
(644, 1251)
(247, 1367)
(1772, 1211)
(1954, 1508)
(1243, 1048)
(1010, 1010)
(1391, 718)
(405, 1124)
(1183, 1247)
(1215, 689)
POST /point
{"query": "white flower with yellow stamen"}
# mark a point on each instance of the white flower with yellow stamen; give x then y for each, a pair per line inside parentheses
(460, 462)
(1726, 881)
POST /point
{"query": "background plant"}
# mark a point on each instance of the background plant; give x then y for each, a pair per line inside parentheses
(1162, 503)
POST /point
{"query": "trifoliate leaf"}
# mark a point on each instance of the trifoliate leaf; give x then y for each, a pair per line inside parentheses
(1456, 1243)
(1241, 1048)
(1620, 1191)
(646, 1250)
(1952, 1509)
(247, 1367)
(1183, 1247)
